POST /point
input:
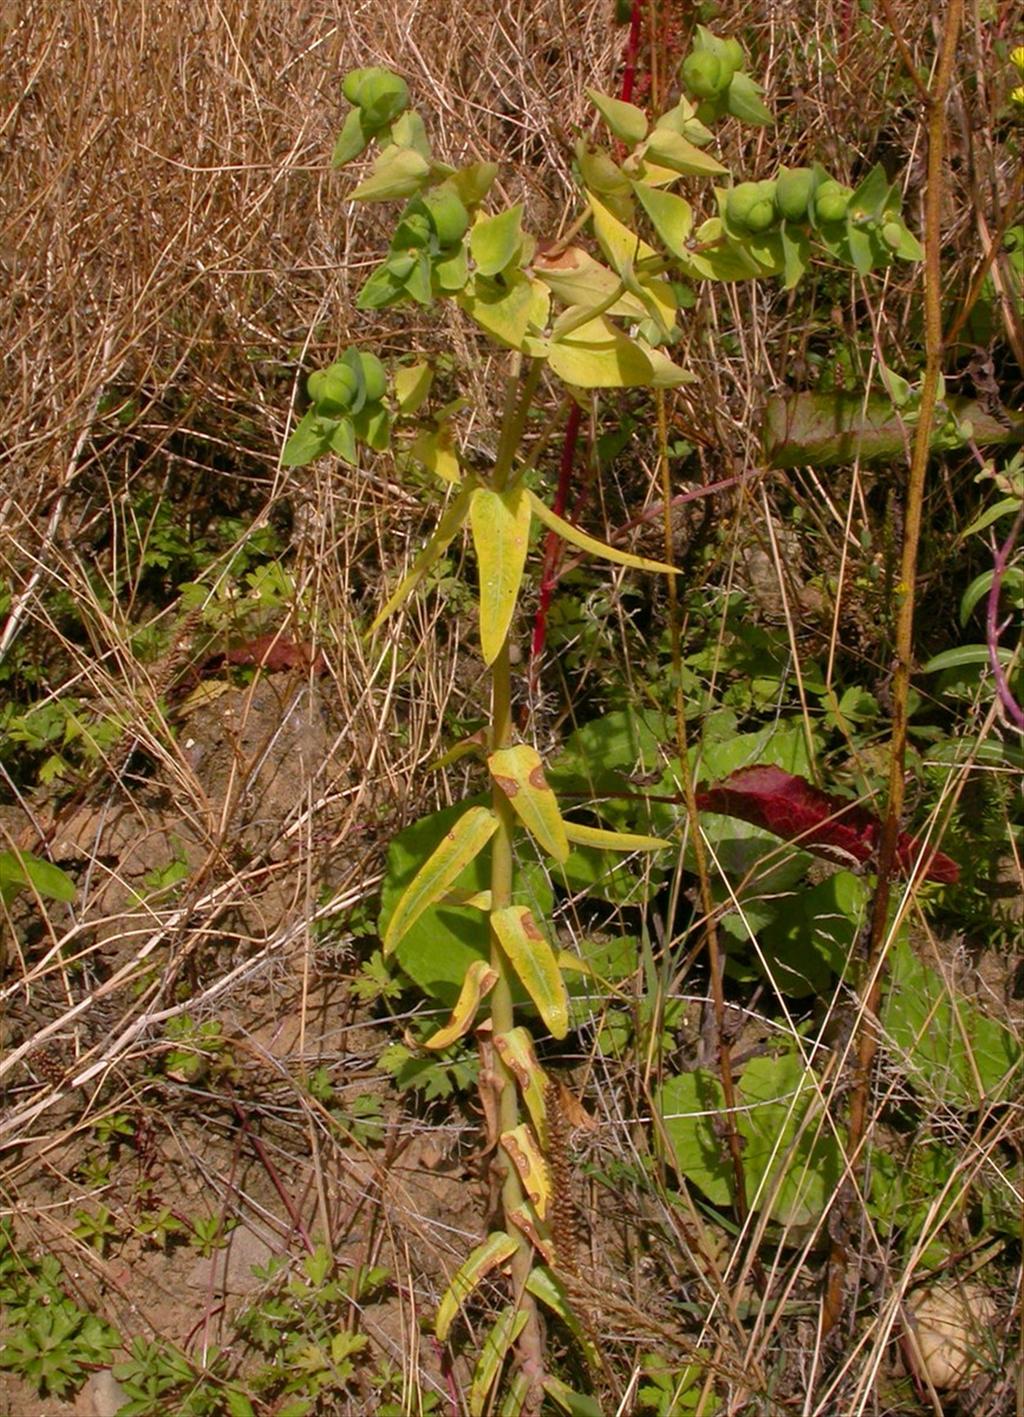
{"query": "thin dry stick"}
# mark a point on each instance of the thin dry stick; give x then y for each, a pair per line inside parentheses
(872, 973)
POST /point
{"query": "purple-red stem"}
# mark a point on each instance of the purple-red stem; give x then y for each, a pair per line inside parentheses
(992, 627)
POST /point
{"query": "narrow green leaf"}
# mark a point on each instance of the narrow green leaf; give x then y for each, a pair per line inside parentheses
(671, 149)
(500, 522)
(495, 1250)
(743, 101)
(479, 981)
(351, 140)
(963, 655)
(581, 835)
(627, 122)
(590, 544)
(1013, 585)
(509, 1326)
(534, 962)
(446, 528)
(19, 869)
(1004, 507)
(576, 1404)
(544, 1284)
(519, 772)
(458, 848)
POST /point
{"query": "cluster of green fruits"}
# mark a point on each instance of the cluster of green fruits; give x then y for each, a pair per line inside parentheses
(425, 251)
(378, 97)
(714, 72)
(797, 194)
(346, 408)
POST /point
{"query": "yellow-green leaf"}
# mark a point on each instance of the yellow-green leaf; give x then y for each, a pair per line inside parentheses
(621, 246)
(590, 544)
(516, 1051)
(495, 1250)
(501, 531)
(534, 962)
(626, 121)
(398, 172)
(597, 355)
(466, 840)
(494, 241)
(544, 1284)
(496, 1345)
(479, 981)
(519, 772)
(671, 216)
(446, 528)
(435, 452)
(510, 311)
(576, 279)
(580, 835)
(412, 385)
(526, 1156)
(671, 149)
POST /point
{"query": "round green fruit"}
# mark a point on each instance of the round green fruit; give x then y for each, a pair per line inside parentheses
(333, 389)
(448, 215)
(831, 201)
(374, 376)
(704, 74)
(892, 234)
(794, 188)
(751, 206)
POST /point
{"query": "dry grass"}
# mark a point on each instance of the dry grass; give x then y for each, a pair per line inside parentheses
(176, 254)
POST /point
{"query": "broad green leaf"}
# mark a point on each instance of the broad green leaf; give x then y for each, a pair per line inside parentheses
(308, 440)
(466, 840)
(398, 172)
(807, 945)
(494, 241)
(495, 1250)
(576, 1404)
(534, 963)
(352, 139)
(343, 440)
(665, 374)
(597, 355)
(1010, 590)
(743, 101)
(627, 122)
(412, 385)
(446, 529)
(670, 149)
(22, 869)
(495, 1350)
(435, 452)
(689, 1104)
(479, 981)
(522, 1149)
(872, 195)
(510, 311)
(519, 772)
(500, 522)
(670, 215)
(581, 835)
(590, 544)
(796, 254)
(946, 1046)
(621, 246)
(599, 173)
(473, 182)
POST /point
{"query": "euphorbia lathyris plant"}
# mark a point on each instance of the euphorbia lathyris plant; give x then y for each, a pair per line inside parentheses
(591, 313)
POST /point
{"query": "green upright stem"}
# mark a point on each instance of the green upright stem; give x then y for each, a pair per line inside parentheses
(530, 1348)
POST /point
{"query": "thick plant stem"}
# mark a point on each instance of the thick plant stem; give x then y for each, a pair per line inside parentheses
(870, 992)
(530, 1345)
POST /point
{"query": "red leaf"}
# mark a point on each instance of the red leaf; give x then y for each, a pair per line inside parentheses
(796, 810)
(270, 652)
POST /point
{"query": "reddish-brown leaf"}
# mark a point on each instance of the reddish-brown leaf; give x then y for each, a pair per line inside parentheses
(794, 809)
(271, 652)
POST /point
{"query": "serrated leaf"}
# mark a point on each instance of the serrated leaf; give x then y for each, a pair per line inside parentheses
(496, 1345)
(500, 523)
(627, 122)
(479, 981)
(521, 1147)
(398, 172)
(581, 835)
(534, 963)
(495, 1250)
(519, 772)
(590, 544)
(494, 241)
(670, 215)
(446, 529)
(458, 847)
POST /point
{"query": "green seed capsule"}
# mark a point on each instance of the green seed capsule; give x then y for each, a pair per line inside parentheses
(704, 74)
(447, 214)
(333, 389)
(831, 201)
(375, 377)
(793, 191)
